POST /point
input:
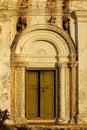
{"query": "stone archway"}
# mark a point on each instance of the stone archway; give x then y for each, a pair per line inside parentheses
(45, 47)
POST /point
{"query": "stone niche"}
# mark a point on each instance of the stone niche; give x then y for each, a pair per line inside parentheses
(43, 47)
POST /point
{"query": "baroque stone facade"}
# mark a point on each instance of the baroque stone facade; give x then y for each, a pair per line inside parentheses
(43, 35)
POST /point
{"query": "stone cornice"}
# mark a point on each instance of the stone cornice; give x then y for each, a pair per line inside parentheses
(31, 12)
(80, 15)
(78, 4)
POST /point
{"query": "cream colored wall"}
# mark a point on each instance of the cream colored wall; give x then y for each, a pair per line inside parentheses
(4, 64)
(82, 64)
(78, 34)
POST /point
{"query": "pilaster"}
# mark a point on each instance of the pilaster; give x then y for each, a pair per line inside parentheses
(17, 93)
(81, 35)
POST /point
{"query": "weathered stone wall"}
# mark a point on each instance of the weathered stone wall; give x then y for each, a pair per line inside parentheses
(39, 127)
(4, 63)
(36, 13)
(82, 67)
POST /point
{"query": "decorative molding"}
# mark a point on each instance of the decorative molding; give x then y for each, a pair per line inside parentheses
(46, 30)
(50, 4)
(48, 40)
(80, 15)
(24, 4)
(29, 5)
(78, 5)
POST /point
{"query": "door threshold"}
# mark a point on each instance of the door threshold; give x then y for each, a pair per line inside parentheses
(41, 121)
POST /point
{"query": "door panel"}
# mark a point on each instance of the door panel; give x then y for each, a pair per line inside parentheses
(47, 94)
(31, 94)
(39, 94)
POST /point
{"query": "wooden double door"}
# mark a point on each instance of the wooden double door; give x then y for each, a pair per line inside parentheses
(40, 94)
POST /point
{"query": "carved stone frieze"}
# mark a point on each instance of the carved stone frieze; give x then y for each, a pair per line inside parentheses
(35, 4)
(78, 5)
(24, 4)
(73, 5)
(15, 4)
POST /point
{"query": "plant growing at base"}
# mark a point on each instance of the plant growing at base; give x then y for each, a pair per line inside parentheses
(3, 116)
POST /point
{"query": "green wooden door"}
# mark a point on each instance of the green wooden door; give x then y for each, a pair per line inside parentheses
(31, 103)
(47, 94)
(39, 95)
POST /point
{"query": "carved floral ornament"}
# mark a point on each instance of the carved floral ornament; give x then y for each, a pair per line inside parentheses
(51, 4)
(73, 4)
(24, 4)
(15, 4)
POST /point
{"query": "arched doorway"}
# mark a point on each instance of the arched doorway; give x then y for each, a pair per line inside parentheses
(43, 71)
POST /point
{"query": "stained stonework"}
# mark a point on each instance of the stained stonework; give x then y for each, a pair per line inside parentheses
(50, 34)
(78, 5)
(41, 45)
(0, 29)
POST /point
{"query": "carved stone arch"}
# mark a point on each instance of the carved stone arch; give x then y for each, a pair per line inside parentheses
(44, 46)
(55, 30)
(55, 36)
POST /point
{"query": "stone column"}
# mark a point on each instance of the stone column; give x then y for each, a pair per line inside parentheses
(62, 94)
(73, 66)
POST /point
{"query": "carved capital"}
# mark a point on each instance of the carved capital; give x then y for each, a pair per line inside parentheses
(72, 57)
(62, 65)
(73, 64)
